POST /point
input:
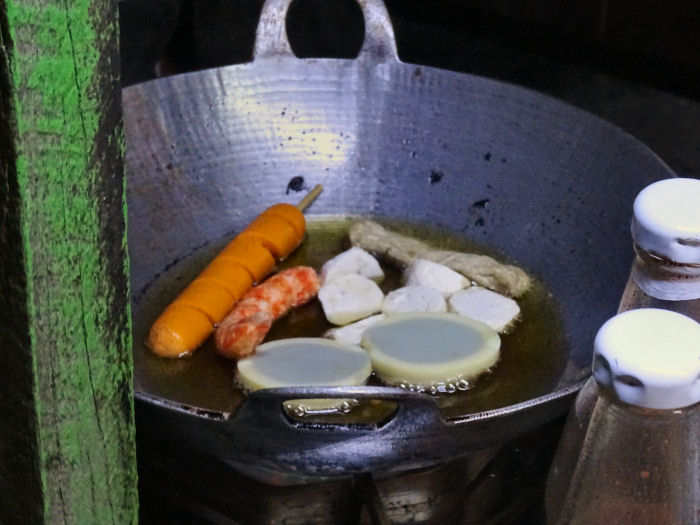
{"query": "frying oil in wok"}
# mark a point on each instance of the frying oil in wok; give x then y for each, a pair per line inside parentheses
(532, 359)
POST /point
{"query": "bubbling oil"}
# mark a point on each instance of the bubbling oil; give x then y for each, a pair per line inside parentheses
(450, 386)
(533, 352)
(532, 357)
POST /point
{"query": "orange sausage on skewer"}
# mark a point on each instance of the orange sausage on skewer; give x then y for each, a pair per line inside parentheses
(290, 214)
(274, 233)
(245, 327)
(247, 259)
(251, 255)
(169, 342)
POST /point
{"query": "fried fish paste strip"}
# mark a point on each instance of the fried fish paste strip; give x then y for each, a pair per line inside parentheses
(402, 250)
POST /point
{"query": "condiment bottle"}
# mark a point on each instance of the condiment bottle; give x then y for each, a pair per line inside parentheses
(666, 234)
(639, 460)
(665, 274)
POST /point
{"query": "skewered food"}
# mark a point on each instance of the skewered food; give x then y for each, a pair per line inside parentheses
(409, 335)
(274, 233)
(249, 253)
(245, 327)
(192, 316)
(290, 213)
(495, 310)
(403, 250)
(179, 330)
(429, 351)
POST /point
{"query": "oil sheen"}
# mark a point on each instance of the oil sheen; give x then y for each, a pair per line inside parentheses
(532, 358)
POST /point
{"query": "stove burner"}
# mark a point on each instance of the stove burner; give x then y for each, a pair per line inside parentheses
(501, 485)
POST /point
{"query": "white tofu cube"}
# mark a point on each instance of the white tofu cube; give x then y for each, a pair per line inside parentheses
(352, 333)
(434, 275)
(355, 260)
(349, 298)
(414, 299)
(491, 308)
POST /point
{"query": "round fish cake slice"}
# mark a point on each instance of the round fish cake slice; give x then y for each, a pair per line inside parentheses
(426, 350)
(306, 361)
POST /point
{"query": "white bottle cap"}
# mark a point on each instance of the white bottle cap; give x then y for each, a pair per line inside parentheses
(667, 220)
(649, 358)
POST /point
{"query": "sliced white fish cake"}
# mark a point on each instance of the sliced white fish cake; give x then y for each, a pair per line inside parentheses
(351, 334)
(306, 361)
(355, 260)
(350, 298)
(422, 272)
(427, 349)
(414, 299)
(491, 308)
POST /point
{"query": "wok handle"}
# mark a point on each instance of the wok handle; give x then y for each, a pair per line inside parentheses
(379, 45)
(264, 407)
(260, 434)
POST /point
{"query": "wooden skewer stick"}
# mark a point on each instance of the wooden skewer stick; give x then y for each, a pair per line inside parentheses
(310, 197)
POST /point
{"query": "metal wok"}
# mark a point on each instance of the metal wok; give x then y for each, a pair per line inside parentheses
(207, 151)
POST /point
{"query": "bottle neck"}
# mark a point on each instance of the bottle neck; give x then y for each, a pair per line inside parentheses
(664, 279)
(635, 297)
(607, 396)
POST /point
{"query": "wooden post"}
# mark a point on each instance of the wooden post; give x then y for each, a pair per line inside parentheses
(67, 452)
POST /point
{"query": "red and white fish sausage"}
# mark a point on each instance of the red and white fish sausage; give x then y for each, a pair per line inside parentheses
(245, 327)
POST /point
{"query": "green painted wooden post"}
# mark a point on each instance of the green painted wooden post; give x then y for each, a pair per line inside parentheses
(67, 452)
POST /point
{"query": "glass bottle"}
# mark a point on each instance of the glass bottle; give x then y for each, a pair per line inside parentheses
(639, 460)
(666, 238)
(665, 275)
